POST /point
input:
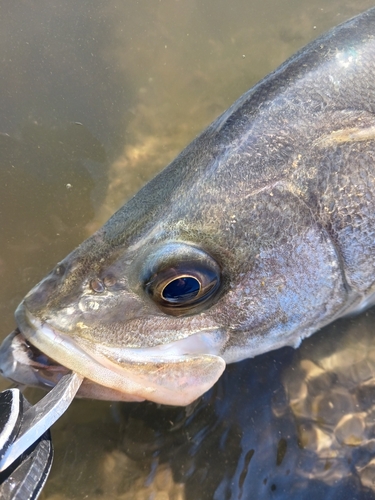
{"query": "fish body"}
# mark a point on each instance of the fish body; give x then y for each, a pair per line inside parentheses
(258, 234)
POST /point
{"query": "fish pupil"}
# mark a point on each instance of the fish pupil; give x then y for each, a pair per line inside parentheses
(181, 289)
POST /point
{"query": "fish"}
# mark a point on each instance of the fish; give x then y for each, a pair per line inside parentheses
(258, 234)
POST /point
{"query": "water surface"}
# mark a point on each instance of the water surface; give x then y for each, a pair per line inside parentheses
(96, 97)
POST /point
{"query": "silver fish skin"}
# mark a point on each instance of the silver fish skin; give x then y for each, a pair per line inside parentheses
(258, 234)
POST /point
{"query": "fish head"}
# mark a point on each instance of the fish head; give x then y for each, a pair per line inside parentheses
(126, 310)
(232, 251)
(155, 303)
(108, 321)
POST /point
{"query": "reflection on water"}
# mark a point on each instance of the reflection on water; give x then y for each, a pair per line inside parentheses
(96, 97)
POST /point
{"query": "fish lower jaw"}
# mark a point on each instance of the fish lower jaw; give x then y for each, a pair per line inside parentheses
(174, 374)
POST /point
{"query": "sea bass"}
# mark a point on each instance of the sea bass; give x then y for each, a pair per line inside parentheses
(259, 233)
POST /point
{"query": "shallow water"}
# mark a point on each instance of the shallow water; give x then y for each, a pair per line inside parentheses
(95, 98)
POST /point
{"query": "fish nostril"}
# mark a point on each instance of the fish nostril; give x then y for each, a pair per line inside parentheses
(109, 280)
(60, 270)
(97, 285)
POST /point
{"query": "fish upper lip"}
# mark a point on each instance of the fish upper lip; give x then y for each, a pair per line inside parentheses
(194, 361)
(204, 341)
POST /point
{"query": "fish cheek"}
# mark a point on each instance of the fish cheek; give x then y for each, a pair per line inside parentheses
(291, 290)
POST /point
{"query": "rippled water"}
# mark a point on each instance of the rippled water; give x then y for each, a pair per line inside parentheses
(95, 98)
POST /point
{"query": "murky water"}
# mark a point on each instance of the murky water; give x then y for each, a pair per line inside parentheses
(96, 97)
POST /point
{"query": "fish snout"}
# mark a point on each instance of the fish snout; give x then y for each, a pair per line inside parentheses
(40, 296)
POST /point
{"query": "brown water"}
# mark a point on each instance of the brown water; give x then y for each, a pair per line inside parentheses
(142, 79)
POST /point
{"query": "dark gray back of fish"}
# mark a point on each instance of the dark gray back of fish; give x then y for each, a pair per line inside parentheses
(279, 190)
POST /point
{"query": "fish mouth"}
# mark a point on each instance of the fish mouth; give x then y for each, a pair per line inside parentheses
(174, 374)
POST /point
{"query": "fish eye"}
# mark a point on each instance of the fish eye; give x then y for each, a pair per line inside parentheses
(181, 286)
